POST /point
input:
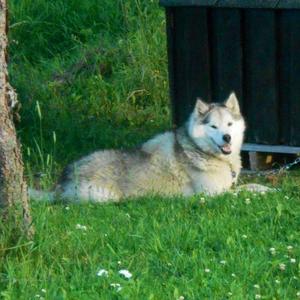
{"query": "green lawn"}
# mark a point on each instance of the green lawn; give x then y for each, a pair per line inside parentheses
(93, 74)
(198, 248)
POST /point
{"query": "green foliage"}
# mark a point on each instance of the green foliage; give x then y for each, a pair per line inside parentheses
(94, 67)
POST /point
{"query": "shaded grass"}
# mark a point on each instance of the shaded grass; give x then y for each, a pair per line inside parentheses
(95, 69)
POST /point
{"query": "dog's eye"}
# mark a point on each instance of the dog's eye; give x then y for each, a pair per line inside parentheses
(229, 124)
(214, 126)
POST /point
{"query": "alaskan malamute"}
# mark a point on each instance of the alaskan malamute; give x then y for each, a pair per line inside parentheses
(203, 156)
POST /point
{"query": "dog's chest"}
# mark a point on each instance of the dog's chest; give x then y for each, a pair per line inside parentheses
(212, 181)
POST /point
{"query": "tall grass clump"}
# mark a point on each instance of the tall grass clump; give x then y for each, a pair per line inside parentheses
(40, 156)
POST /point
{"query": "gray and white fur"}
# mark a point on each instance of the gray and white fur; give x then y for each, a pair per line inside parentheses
(202, 156)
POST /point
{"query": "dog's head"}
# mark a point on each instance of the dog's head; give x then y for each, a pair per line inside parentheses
(217, 127)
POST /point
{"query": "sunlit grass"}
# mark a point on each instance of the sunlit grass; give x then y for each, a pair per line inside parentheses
(217, 248)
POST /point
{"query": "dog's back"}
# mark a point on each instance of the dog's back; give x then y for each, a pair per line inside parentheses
(201, 156)
(114, 174)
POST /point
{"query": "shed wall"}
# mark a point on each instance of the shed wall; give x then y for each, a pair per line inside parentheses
(254, 52)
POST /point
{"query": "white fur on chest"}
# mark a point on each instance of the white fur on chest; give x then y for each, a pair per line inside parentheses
(212, 181)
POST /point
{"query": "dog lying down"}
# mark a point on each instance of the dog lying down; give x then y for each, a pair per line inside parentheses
(202, 156)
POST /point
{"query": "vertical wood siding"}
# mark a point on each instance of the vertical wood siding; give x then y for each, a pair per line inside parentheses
(255, 52)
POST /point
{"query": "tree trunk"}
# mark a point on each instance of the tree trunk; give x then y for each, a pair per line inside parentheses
(13, 188)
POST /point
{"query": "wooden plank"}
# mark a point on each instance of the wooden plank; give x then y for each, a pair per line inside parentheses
(226, 54)
(289, 77)
(290, 4)
(271, 4)
(247, 3)
(191, 57)
(260, 88)
(284, 50)
(260, 161)
(171, 31)
(271, 148)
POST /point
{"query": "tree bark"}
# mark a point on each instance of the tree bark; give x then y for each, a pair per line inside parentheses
(13, 188)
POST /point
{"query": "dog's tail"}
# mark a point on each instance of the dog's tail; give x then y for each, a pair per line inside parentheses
(41, 195)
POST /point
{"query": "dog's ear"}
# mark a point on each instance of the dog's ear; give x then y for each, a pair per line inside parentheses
(201, 107)
(232, 104)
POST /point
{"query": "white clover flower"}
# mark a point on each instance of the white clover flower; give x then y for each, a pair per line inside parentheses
(181, 298)
(257, 296)
(202, 200)
(247, 201)
(272, 250)
(119, 262)
(206, 270)
(43, 291)
(234, 194)
(67, 208)
(256, 286)
(262, 192)
(293, 260)
(125, 273)
(282, 267)
(223, 262)
(289, 248)
(229, 294)
(117, 286)
(286, 197)
(298, 294)
(102, 272)
(277, 281)
(81, 227)
(233, 275)
(244, 236)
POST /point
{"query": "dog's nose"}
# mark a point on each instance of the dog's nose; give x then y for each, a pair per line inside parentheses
(227, 138)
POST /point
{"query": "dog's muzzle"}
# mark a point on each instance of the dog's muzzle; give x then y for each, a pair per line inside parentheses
(225, 149)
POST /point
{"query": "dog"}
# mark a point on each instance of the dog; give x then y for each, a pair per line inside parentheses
(202, 156)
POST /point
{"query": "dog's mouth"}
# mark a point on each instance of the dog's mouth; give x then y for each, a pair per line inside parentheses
(225, 149)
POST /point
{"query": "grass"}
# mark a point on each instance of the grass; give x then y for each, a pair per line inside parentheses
(98, 68)
(92, 74)
(167, 244)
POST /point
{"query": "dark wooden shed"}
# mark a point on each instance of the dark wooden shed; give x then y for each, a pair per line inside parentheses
(251, 47)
